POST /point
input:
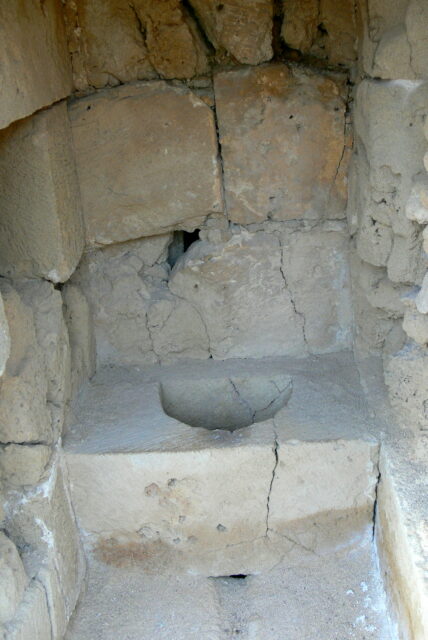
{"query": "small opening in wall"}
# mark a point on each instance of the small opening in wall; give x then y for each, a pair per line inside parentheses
(181, 242)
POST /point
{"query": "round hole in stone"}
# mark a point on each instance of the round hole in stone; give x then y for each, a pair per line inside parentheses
(225, 403)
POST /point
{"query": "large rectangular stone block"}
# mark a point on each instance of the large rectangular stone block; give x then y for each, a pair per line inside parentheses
(147, 161)
(41, 232)
(36, 68)
(282, 139)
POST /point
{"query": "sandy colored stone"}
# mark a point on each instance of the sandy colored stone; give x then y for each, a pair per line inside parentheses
(314, 478)
(385, 170)
(315, 267)
(400, 543)
(24, 415)
(239, 28)
(112, 42)
(417, 204)
(52, 337)
(422, 297)
(4, 338)
(41, 232)
(13, 579)
(147, 161)
(323, 28)
(23, 464)
(240, 292)
(394, 43)
(406, 375)
(78, 317)
(44, 526)
(32, 621)
(36, 67)
(282, 139)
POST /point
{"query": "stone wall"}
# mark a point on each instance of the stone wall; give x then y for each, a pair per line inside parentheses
(388, 200)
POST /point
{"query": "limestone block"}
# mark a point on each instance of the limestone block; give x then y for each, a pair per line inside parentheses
(24, 415)
(415, 324)
(394, 43)
(185, 499)
(400, 537)
(422, 297)
(322, 28)
(417, 204)
(147, 161)
(239, 28)
(115, 42)
(4, 338)
(329, 478)
(13, 579)
(23, 464)
(176, 329)
(118, 282)
(282, 139)
(79, 322)
(52, 337)
(388, 125)
(241, 293)
(315, 265)
(32, 621)
(406, 375)
(35, 64)
(41, 232)
(44, 526)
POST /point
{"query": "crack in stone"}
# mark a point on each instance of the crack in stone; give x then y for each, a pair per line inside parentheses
(275, 451)
(242, 401)
(293, 303)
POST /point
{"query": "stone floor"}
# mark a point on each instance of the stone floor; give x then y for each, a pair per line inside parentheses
(332, 596)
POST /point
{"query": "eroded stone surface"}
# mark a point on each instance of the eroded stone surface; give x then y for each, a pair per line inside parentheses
(241, 29)
(323, 28)
(406, 374)
(41, 233)
(36, 68)
(32, 617)
(147, 161)
(13, 579)
(4, 338)
(394, 45)
(23, 464)
(24, 415)
(115, 42)
(43, 526)
(282, 139)
(390, 145)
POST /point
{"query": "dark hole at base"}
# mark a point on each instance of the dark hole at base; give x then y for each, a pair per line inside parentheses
(238, 576)
(181, 242)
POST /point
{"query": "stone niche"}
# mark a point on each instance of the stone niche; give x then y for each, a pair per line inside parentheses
(207, 188)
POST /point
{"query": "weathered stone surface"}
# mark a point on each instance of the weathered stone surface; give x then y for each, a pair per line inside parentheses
(4, 338)
(52, 338)
(13, 579)
(422, 297)
(23, 464)
(242, 295)
(417, 204)
(314, 478)
(32, 621)
(401, 536)
(394, 44)
(386, 167)
(406, 375)
(282, 138)
(117, 282)
(415, 324)
(322, 28)
(112, 42)
(241, 29)
(24, 415)
(43, 525)
(41, 232)
(79, 322)
(147, 161)
(35, 64)
(315, 266)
